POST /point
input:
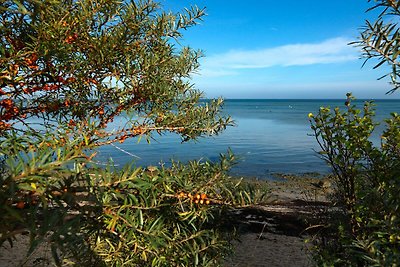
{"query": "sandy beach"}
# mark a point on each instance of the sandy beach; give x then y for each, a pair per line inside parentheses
(276, 234)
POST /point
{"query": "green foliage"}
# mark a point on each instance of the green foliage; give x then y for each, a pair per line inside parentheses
(344, 140)
(102, 216)
(367, 182)
(83, 63)
(380, 39)
(367, 232)
(68, 70)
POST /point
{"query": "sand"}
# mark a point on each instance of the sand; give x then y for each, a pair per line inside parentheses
(275, 234)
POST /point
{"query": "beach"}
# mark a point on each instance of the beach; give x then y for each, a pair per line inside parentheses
(275, 234)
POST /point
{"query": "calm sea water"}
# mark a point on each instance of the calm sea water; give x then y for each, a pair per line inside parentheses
(271, 136)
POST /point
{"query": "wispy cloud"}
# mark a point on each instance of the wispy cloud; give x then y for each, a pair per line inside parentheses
(329, 51)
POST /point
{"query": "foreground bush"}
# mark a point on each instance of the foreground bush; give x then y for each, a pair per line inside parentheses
(68, 70)
(367, 232)
(177, 216)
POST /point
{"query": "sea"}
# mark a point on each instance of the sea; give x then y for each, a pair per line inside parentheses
(270, 137)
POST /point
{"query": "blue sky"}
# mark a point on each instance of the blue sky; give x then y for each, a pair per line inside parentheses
(283, 49)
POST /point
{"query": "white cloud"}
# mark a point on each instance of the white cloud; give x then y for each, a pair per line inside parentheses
(329, 51)
(210, 72)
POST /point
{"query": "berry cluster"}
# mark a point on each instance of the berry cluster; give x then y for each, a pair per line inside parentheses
(196, 198)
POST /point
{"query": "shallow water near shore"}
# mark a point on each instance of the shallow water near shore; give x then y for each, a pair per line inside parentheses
(271, 136)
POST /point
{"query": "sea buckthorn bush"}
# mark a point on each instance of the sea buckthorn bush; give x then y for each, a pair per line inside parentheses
(365, 231)
(134, 216)
(68, 70)
(366, 176)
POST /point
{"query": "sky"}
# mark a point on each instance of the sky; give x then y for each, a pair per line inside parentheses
(283, 49)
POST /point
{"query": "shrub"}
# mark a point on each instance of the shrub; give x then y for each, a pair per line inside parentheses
(367, 175)
(367, 182)
(69, 69)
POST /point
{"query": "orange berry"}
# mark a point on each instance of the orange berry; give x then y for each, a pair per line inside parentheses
(70, 39)
(20, 205)
(196, 201)
(207, 202)
(203, 196)
(198, 196)
(122, 138)
(71, 123)
(4, 125)
(14, 68)
(182, 194)
(201, 201)
(65, 190)
(71, 80)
